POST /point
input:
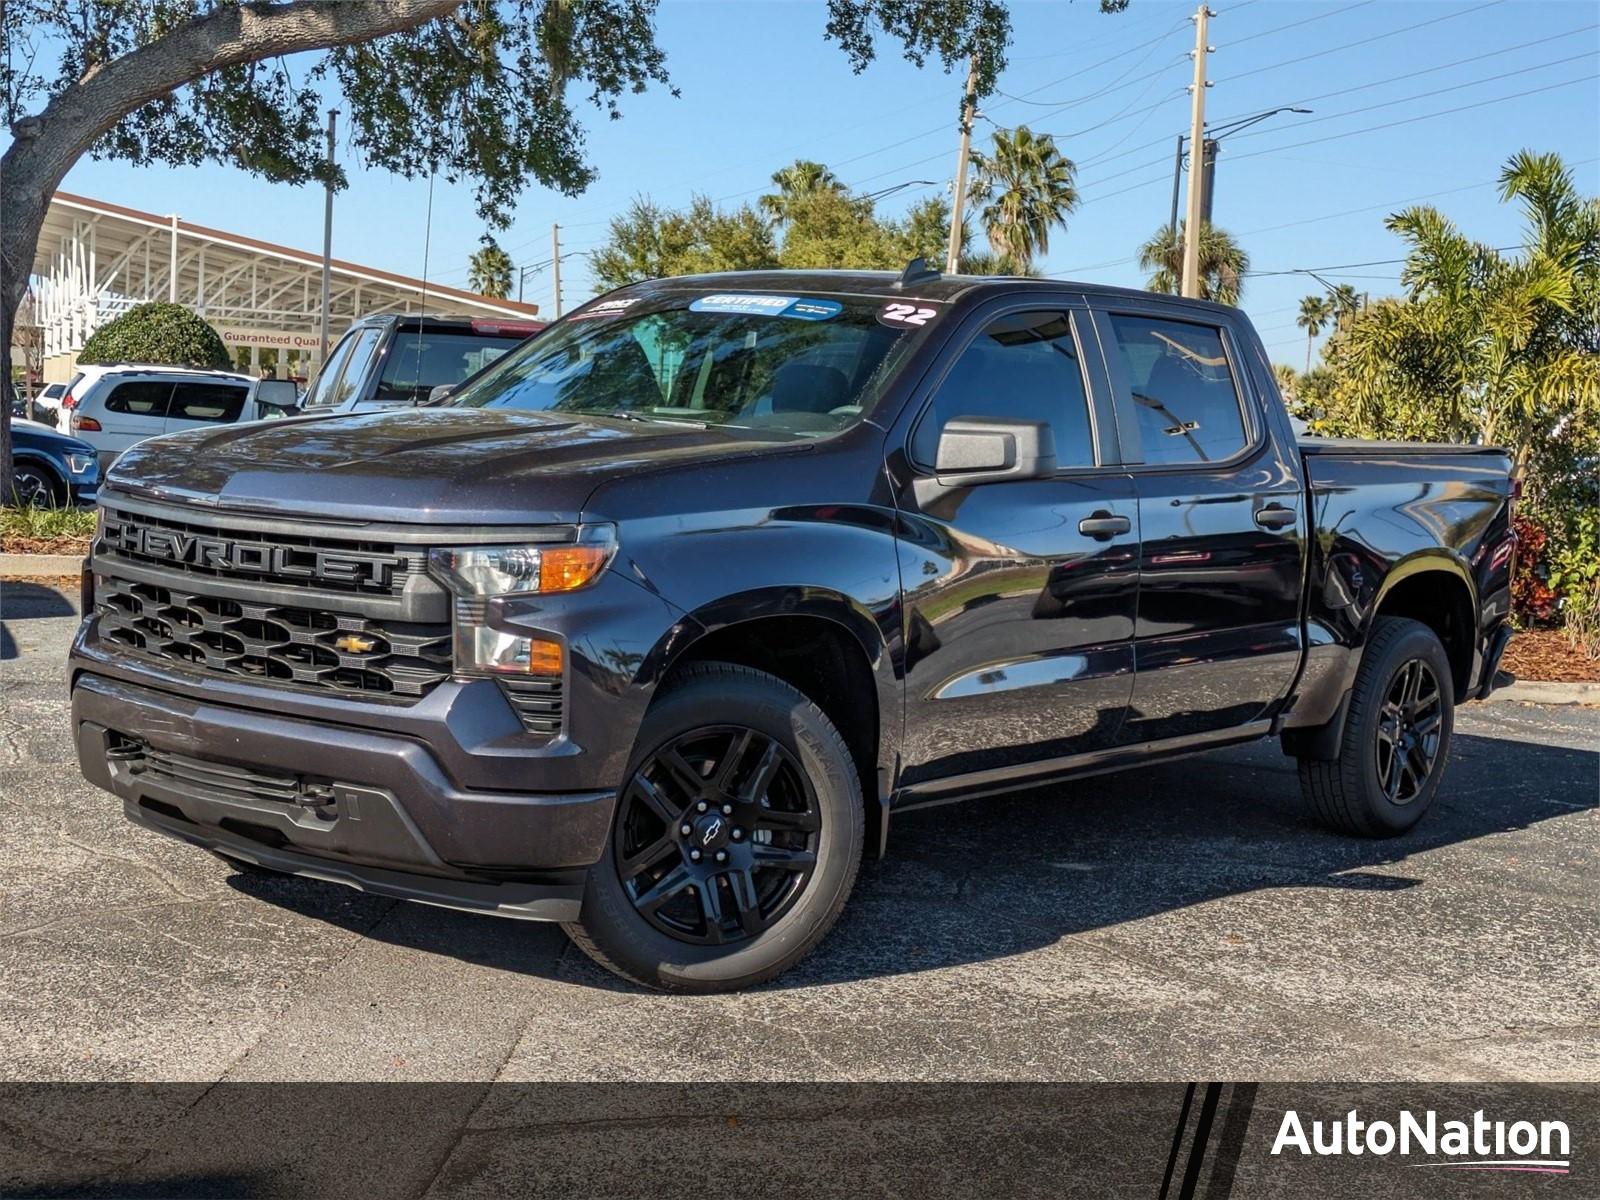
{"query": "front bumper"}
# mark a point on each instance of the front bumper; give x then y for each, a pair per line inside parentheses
(362, 807)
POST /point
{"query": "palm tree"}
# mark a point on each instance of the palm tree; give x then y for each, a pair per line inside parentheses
(1314, 314)
(801, 178)
(489, 270)
(1027, 189)
(1223, 263)
(1346, 304)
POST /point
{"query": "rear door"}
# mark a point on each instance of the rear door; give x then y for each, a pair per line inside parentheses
(1019, 596)
(197, 403)
(1217, 638)
(128, 408)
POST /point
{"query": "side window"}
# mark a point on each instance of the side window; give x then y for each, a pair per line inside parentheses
(1022, 367)
(218, 402)
(328, 375)
(139, 398)
(1183, 390)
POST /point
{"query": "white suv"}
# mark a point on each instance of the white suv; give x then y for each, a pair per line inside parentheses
(115, 406)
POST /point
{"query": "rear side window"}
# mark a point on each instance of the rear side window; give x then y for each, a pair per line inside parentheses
(139, 398)
(1022, 367)
(218, 402)
(1183, 390)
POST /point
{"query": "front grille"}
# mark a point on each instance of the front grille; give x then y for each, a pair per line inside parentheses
(537, 703)
(305, 648)
(368, 568)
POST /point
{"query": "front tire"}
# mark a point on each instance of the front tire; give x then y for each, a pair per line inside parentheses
(770, 798)
(1396, 736)
(34, 487)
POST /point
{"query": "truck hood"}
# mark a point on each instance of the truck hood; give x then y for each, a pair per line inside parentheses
(427, 465)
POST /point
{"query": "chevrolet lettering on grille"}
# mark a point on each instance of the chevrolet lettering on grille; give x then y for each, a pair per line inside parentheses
(258, 558)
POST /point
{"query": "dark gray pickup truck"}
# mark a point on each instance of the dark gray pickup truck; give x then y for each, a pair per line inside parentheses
(651, 626)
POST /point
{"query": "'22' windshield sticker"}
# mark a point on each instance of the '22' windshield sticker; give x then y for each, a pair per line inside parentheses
(907, 314)
(761, 305)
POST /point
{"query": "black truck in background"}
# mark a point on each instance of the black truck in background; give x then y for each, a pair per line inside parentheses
(651, 626)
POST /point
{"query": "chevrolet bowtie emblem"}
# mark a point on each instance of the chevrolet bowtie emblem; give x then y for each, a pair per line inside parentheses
(354, 643)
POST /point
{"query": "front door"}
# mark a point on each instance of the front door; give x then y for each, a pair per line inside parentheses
(1218, 636)
(1019, 596)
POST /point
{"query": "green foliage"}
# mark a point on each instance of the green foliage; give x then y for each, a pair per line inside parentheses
(831, 230)
(168, 334)
(650, 242)
(482, 93)
(489, 270)
(1223, 263)
(1493, 347)
(45, 530)
(800, 179)
(1026, 187)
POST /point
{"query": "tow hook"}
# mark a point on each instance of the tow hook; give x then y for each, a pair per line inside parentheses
(320, 799)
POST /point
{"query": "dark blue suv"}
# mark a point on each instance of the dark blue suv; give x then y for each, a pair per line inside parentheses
(50, 469)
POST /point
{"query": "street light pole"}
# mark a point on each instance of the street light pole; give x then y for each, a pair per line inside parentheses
(327, 242)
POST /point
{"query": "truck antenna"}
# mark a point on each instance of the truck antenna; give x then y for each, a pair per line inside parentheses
(917, 271)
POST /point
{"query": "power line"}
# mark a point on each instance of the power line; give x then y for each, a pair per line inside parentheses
(1350, 112)
(1497, 52)
(1337, 12)
(1332, 137)
(1289, 62)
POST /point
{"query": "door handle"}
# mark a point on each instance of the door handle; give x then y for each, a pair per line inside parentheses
(1276, 516)
(1102, 526)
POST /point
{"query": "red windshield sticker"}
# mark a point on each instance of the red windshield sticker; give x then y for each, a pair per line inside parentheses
(902, 315)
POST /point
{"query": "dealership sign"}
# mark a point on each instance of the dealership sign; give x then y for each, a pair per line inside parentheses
(278, 339)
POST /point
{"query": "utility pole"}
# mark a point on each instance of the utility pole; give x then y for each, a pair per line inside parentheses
(327, 241)
(555, 262)
(969, 109)
(1197, 137)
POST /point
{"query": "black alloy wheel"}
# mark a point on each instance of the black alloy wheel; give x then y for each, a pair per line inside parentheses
(1407, 736)
(31, 487)
(717, 836)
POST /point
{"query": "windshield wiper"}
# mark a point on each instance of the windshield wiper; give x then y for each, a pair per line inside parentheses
(627, 414)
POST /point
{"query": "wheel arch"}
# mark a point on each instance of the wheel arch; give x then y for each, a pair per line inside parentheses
(823, 644)
(1436, 588)
(34, 458)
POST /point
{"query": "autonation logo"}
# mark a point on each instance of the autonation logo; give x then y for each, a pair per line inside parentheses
(1476, 1145)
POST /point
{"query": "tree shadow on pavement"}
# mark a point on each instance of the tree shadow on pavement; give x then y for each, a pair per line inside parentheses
(21, 601)
(991, 878)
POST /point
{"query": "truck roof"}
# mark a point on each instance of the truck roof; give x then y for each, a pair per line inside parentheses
(885, 283)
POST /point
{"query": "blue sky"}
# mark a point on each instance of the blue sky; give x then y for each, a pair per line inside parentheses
(760, 86)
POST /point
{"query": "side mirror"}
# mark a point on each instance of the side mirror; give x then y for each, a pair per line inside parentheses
(974, 450)
(440, 394)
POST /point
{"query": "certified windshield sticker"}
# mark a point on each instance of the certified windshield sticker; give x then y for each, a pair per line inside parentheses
(760, 305)
(606, 308)
(901, 314)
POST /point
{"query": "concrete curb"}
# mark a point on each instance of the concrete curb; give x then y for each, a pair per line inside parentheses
(40, 564)
(1533, 692)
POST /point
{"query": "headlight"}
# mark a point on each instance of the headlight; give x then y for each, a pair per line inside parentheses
(80, 464)
(475, 573)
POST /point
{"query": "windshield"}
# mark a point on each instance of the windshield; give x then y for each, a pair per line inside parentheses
(421, 360)
(794, 364)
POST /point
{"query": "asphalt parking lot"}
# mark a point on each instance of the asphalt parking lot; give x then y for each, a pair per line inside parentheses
(1183, 921)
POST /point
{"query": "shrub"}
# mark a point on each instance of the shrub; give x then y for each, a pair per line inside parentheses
(168, 334)
(1532, 601)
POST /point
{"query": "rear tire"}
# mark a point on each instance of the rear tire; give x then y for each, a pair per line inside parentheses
(769, 860)
(1396, 736)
